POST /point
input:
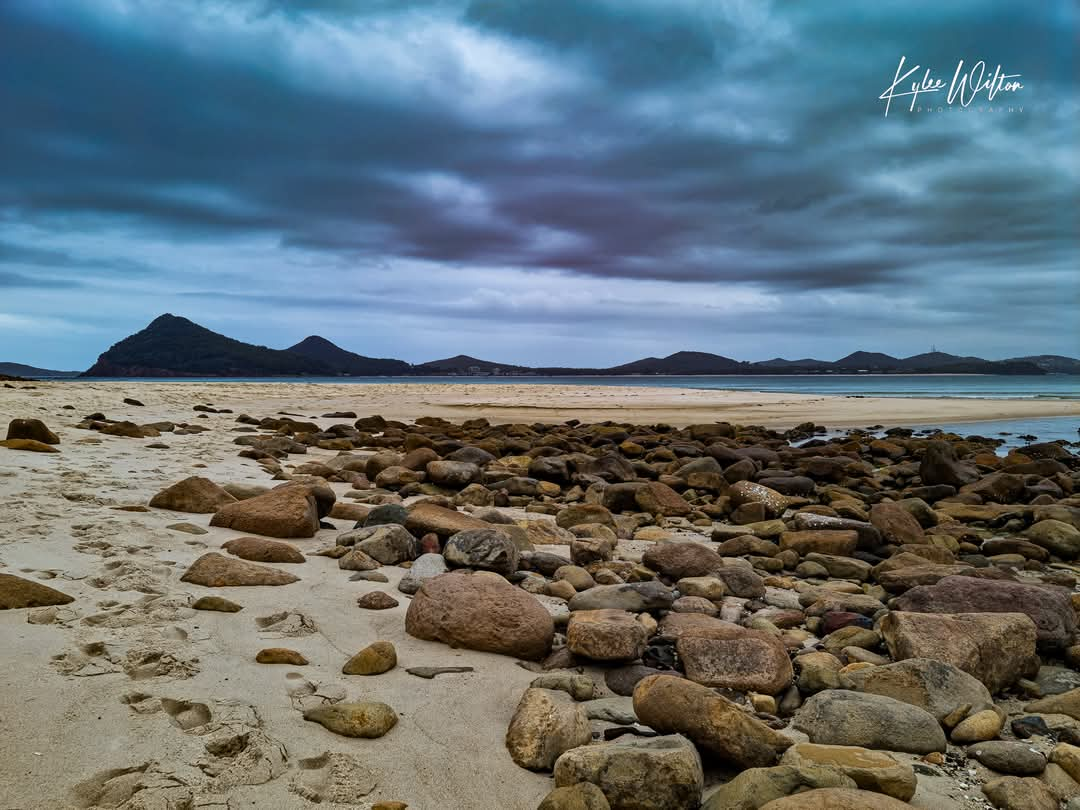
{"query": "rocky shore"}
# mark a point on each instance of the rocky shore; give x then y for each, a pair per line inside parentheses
(226, 610)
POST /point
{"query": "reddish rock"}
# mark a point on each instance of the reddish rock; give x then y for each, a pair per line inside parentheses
(282, 512)
(16, 592)
(259, 549)
(195, 494)
(217, 571)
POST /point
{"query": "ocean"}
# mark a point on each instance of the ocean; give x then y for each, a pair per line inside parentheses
(1045, 387)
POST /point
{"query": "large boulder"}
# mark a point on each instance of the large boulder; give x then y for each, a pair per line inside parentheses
(480, 611)
(756, 787)
(1048, 606)
(16, 592)
(32, 429)
(870, 770)
(747, 492)
(940, 466)
(996, 648)
(837, 799)
(194, 494)
(674, 705)
(606, 635)
(452, 474)
(427, 517)
(659, 499)
(747, 661)
(1059, 538)
(483, 549)
(289, 511)
(214, 570)
(934, 686)
(896, 524)
(636, 773)
(840, 717)
(387, 543)
(259, 549)
(545, 725)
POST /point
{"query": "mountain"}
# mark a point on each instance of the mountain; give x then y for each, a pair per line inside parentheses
(680, 363)
(928, 360)
(21, 370)
(463, 364)
(175, 347)
(345, 362)
(781, 363)
(868, 361)
(1050, 363)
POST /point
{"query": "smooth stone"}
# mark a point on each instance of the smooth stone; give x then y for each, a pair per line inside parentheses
(362, 719)
(1012, 758)
(839, 717)
(280, 655)
(374, 659)
(218, 603)
(545, 724)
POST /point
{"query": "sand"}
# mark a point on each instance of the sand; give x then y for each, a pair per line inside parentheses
(79, 695)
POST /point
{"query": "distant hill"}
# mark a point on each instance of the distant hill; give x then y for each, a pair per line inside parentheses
(680, 363)
(463, 364)
(171, 346)
(1050, 363)
(175, 347)
(346, 362)
(22, 370)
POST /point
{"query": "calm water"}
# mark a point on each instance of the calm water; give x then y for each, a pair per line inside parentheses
(1060, 387)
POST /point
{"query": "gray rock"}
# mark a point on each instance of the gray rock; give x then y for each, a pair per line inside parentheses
(618, 710)
(932, 685)
(390, 543)
(635, 597)
(424, 567)
(484, 549)
(1012, 758)
(839, 717)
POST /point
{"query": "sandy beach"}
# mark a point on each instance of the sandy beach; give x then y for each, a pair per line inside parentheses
(101, 685)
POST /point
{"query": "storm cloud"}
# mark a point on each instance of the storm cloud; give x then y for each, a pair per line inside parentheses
(560, 182)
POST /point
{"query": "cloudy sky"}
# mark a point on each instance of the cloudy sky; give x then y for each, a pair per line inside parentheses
(576, 182)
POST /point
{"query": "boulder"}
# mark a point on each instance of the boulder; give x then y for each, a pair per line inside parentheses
(679, 559)
(16, 592)
(452, 474)
(362, 719)
(214, 570)
(1012, 758)
(896, 524)
(387, 543)
(582, 796)
(674, 705)
(427, 517)
(838, 543)
(756, 787)
(996, 648)
(638, 773)
(289, 511)
(660, 499)
(1020, 793)
(1048, 606)
(1059, 538)
(840, 717)
(837, 799)
(934, 686)
(606, 635)
(194, 494)
(583, 513)
(423, 568)
(634, 596)
(870, 770)
(940, 466)
(32, 429)
(480, 611)
(483, 549)
(259, 549)
(545, 725)
(375, 659)
(751, 661)
(1067, 703)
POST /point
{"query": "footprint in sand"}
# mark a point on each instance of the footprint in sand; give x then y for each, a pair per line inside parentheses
(87, 660)
(305, 694)
(286, 624)
(333, 778)
(130, 575)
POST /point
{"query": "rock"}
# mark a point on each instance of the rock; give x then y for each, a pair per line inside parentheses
(30, 445)
(747, 492)
(750, 661)
(678, 706)
(374, 659)
(677, 559)
(584, 513)
(934, 686)
(1019, 793)
(544, 726)
(384, 514)
(585, 550)
(635, 597)
(618, 710)
(1048, 606)
(741, 581)
(258, 549)
(389, 543)
(837, 799)
(977, 727)
(1065, 703)
(1059, 538)
(995, 648)
(280, 655)
(1012, 758)
(216, 603)
(32, 429)
(840, 543)
(193, 494)
(430, 672)
(426, 517)
(870, 770)
(895, 523)
(582, 796)
(606, 635)
(376, 600)
(452, 474)
(838, 717)
(579, 687)
(483, 549)
(756, 787)
(129, 430)
(363, 719)
(480, 611)
(623, 680)
(214, 570)
(939, 466)
(660, 499)
(1067, 757)
(16, 592)
(637, 774)
(424, 567)
(353, 559)
(187, 528)
(289, 511)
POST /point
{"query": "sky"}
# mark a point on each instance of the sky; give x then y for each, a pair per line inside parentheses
(547, 182)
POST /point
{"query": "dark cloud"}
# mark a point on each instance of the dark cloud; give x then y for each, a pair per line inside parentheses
(673, 169)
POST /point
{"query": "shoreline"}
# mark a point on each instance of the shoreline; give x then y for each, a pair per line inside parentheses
(523, 402)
